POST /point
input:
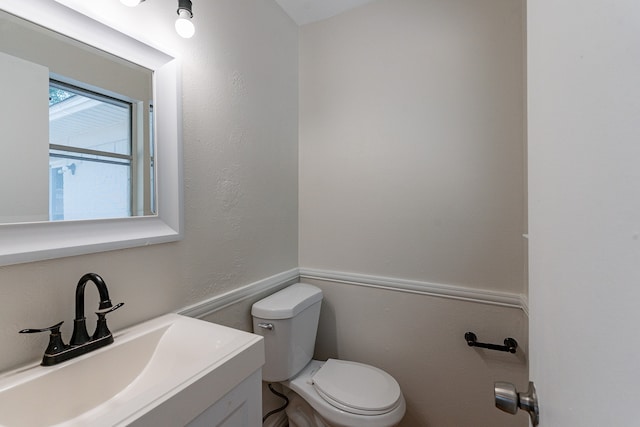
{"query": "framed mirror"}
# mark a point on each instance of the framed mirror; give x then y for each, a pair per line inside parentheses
(148, 159)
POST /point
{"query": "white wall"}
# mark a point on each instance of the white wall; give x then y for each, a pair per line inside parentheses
(240, 107)
(411, 142)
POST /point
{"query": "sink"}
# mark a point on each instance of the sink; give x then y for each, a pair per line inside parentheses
(170, 368)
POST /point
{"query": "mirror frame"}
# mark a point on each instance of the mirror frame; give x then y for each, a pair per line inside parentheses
(27, 242)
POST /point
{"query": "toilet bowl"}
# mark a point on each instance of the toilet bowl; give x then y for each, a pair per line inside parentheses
(335, 393)
(344, 394)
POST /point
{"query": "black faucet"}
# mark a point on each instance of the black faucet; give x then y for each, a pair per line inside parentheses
(80, 335)
(81, 343)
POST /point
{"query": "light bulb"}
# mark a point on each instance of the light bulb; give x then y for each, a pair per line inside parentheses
(131, 3)
(184, 26)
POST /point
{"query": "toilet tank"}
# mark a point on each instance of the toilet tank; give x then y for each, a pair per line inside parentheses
(288, 321)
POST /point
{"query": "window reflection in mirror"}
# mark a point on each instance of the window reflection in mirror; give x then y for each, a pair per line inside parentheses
(90, 161)
(96, 134)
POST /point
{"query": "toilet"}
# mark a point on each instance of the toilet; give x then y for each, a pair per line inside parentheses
(333, 393)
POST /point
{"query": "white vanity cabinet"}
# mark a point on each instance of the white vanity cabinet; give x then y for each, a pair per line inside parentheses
(242, 406)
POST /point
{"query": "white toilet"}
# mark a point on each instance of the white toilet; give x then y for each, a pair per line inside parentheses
(334, 393)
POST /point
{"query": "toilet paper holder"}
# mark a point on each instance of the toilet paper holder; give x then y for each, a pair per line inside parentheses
(510, 344)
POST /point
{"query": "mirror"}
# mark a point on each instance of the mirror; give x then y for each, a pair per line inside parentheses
(88, 153)
(153, 77)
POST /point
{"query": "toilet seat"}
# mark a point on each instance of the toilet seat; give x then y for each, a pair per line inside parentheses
(356, 388)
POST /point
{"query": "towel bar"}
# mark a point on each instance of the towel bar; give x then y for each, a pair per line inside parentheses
(510, 345)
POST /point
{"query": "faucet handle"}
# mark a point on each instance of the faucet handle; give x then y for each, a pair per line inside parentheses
(56, 345)
(55, 329)
(102, 330)
(106, 311)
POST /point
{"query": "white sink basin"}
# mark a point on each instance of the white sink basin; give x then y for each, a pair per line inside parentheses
(147, 372)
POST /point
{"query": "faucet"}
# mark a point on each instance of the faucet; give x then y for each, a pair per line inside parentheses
(80, 335)
(81, 343)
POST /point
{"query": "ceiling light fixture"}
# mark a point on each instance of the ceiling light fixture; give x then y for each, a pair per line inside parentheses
(184, 26)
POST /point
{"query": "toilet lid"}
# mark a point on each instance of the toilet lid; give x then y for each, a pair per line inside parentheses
(356, 388)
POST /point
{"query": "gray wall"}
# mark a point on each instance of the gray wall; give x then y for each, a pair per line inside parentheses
(412, 142)
(412, 168)
(419, 339)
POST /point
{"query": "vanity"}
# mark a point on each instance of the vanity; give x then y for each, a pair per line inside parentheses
(170, 371)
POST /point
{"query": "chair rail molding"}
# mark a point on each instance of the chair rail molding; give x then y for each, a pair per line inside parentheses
(277, 281)
(481, 296)
(218, 302)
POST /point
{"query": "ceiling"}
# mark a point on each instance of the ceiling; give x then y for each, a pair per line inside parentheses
(307, 11)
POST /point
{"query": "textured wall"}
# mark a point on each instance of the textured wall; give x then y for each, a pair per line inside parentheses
(240, 107)
(412, 144)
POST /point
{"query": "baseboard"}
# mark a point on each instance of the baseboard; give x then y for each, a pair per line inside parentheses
(482, 296)
(211, 305)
